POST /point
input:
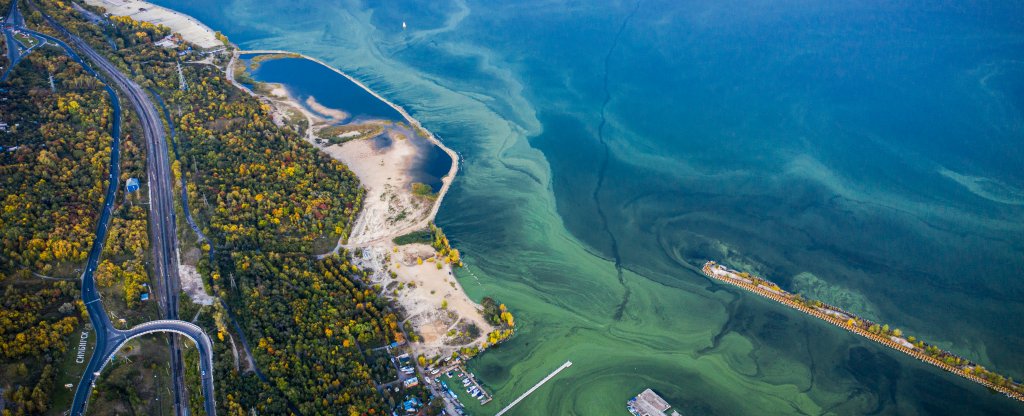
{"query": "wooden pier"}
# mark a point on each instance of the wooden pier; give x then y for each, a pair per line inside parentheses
(534, 388)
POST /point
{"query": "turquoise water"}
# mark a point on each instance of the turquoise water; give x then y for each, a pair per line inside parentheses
(865, 154)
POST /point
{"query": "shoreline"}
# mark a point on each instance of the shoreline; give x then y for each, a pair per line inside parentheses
(446, 181)
(441, 323)
(846, 320)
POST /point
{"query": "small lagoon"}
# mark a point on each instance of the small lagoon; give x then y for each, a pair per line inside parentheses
(304, 79)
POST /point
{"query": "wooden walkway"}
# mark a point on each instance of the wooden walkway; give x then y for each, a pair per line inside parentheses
(534, 388)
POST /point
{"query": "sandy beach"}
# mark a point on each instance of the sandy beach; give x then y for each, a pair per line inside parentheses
(388, 207)
(425, 289)
(190, 29)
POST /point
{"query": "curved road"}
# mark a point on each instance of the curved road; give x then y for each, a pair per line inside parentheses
(12, 20)
(110, 339)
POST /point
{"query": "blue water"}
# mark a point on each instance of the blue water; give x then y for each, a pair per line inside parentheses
(304, 79)
(868, 154)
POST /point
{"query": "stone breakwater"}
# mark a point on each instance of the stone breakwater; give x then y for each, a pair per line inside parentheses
(866, 329)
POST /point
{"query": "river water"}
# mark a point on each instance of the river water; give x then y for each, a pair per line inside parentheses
(868, 155)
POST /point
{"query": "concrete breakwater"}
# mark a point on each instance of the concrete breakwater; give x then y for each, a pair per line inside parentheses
(867, 329)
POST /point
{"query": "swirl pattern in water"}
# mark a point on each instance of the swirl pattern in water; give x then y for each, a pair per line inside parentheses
(867, 155)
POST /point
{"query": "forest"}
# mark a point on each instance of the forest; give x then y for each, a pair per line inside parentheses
(267, 197)
(56, 155)
(53, 161)
(264, 198)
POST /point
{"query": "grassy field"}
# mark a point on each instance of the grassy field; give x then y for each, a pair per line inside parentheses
(421, 236)
(137, 381)
(26, 40)
(69, 371)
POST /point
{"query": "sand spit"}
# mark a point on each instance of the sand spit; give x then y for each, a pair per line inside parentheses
(190, 29)
(412, 121)
(442, 316)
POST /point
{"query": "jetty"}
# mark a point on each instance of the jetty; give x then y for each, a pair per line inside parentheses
(879, 333)
(534, 388)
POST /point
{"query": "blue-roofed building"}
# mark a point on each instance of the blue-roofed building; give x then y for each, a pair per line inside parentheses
(132, 185)
(144, 296)
(412, 405)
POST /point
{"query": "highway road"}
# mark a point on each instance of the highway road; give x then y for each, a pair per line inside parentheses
(163, 232)
(163, 236)
(177, 156)
(12, 19)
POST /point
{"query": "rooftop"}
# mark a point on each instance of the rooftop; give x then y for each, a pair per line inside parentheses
(649, 403)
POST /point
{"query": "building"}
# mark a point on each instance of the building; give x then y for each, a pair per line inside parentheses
(649, 403)
(412, 382)
(412, 405)
(170, 41)
(144, 296)
(132, 185)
